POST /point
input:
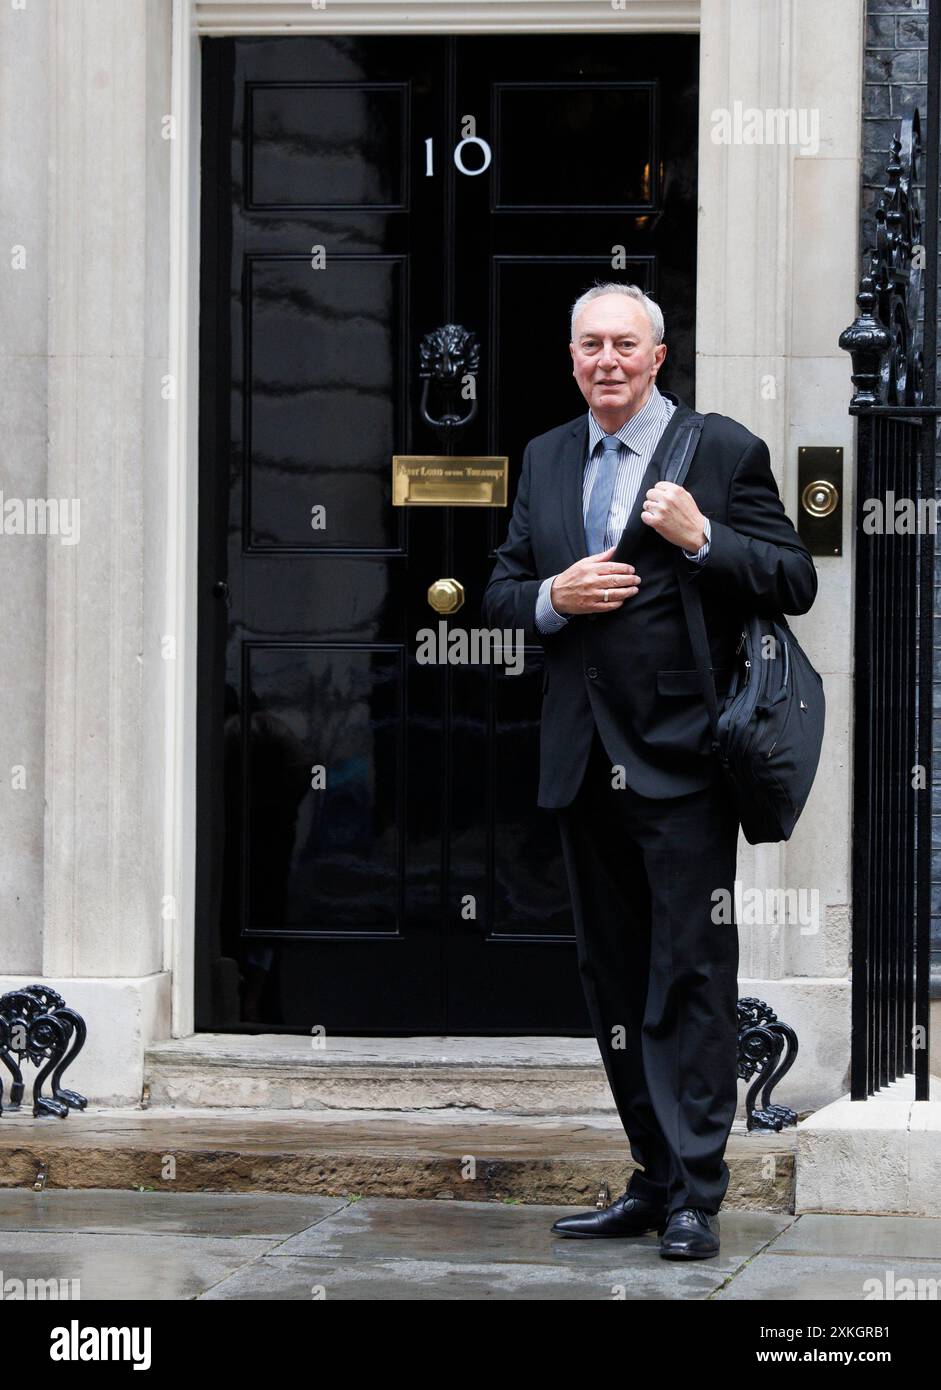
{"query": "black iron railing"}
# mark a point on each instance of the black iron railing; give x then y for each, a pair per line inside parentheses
(893, 343)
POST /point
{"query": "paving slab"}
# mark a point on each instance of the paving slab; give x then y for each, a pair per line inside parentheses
(443, 1280)
(167, 1246)
(820, 1278)
(105, 1212)
(127, 1266)
(876, 1237)
(498, 1233)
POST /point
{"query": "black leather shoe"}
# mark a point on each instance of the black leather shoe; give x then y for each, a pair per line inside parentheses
(628, 1216)
(690, 1234)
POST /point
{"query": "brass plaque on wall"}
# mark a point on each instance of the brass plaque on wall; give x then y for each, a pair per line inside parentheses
(440, 480)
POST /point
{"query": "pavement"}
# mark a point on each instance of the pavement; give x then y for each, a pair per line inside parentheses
(160, 1245)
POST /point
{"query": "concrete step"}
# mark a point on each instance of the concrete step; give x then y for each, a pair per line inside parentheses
(512, 1076)
(561, 1159)
(882, 1155)
(529, 1076)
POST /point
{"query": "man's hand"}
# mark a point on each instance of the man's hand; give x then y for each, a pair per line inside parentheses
(581, 588)
(672, 512)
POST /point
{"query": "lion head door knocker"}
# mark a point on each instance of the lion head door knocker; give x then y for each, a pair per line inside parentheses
(449, 355)
(450, 360)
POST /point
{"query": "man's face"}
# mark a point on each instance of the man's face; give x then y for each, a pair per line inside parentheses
(615, 359)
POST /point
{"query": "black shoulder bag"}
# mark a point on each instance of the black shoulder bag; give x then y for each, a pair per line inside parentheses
(768, 734)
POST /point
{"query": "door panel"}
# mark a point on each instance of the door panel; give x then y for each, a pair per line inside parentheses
(370, 856)
(322, 352)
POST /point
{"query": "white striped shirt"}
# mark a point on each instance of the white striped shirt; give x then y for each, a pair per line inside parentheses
(639, 437)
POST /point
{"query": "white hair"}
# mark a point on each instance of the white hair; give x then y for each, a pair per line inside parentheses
(651, 309)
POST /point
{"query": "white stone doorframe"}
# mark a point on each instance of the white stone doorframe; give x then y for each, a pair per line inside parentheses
(776, 284)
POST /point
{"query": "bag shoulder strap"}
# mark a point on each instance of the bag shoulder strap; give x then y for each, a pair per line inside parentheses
(699, 641)
(683, 447)
(675, 468)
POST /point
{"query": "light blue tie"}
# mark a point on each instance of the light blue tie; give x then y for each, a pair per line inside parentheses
(602, 490)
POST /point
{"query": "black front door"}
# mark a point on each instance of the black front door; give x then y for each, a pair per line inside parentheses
(370, 857)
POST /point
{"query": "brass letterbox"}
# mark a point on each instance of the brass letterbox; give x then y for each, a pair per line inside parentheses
(440, 480)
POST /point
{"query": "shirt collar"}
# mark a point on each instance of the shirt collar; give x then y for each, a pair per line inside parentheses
(656, 409)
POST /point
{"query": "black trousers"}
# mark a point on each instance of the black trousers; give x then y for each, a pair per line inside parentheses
(658, 959)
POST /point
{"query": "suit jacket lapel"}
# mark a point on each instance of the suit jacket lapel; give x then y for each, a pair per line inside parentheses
(573, 478)
(634, 528)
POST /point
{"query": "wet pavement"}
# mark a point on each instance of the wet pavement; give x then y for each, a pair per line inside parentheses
(167, 1246)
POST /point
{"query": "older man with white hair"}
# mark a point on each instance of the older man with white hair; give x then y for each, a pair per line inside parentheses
(648, 828)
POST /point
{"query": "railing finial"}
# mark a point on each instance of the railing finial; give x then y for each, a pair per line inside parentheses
(882, 339)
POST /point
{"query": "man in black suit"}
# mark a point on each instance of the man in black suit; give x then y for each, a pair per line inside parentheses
(649, 831)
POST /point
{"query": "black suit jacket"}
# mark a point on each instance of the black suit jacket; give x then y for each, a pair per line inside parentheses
(632, 672)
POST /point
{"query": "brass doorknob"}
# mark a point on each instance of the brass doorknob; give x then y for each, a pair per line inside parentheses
(446, 595)
(820, 498)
